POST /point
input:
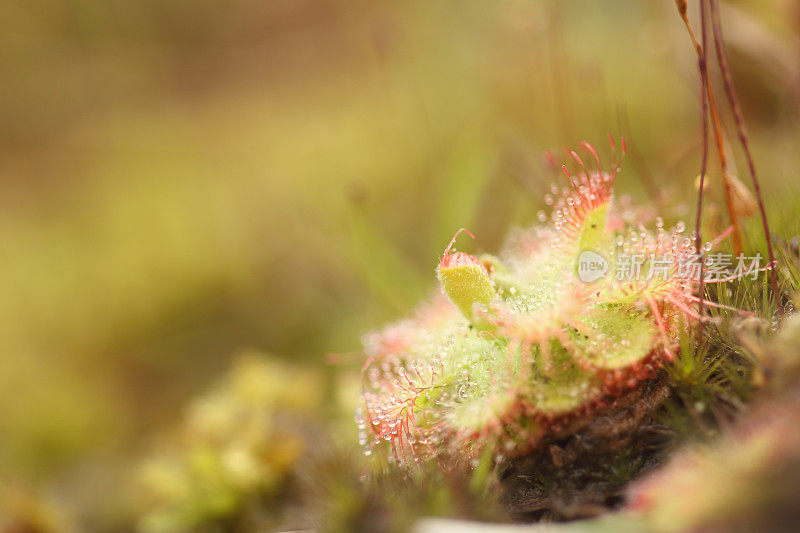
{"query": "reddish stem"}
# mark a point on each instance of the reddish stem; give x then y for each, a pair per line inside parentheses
(715, 120)
(723, 163)
(733, 100)
(704, 99)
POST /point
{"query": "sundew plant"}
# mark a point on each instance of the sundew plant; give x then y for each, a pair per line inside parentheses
(574, 315)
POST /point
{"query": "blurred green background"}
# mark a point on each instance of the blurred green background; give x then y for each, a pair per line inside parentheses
(182, 180)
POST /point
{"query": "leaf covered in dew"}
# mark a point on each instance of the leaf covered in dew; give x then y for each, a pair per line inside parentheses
(612, 337)
(465, 280)
(519, 346)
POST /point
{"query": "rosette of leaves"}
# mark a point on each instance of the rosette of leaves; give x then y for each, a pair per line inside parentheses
(534, 342)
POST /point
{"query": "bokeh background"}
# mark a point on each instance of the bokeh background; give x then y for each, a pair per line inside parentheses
(181, 181)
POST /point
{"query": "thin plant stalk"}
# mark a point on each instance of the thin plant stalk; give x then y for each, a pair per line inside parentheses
(701, 60)
(733, 100)
(717, 123)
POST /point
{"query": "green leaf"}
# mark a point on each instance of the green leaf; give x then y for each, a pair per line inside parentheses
(612, 337)
(467, 285)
